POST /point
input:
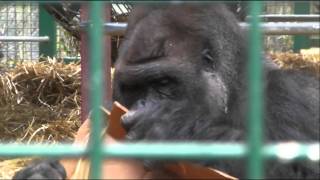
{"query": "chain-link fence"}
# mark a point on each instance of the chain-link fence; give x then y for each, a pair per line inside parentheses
(22, 19)
(67, 45)
(19, 19)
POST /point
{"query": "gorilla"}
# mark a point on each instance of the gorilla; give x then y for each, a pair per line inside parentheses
(181, 71)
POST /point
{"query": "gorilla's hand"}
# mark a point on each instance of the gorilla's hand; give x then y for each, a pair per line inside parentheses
(157, 121)
(151, 121)
(47, 169)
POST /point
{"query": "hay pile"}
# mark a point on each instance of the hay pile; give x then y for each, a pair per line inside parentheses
(9, 167)
(39, 102)
(307, 60)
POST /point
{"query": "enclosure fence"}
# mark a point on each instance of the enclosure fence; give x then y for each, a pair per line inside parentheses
(254, 150)
(19, 20)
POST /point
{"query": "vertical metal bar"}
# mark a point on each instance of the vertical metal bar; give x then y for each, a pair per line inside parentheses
(255, 161)
(15, 33)
(23, 7)
(84, 65)
(96, 88)
(301, 41)
(7, 31)
(47, 27)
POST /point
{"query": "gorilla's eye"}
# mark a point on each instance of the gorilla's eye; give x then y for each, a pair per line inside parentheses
(207, 55)
(163, 82)
(164, 87)
(208, 60)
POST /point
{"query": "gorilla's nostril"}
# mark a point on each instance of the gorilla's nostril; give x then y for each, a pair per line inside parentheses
(141, 103)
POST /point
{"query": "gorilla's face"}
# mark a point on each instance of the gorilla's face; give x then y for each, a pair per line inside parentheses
(170, 79)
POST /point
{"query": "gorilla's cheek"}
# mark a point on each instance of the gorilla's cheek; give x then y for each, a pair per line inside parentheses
(217, 93)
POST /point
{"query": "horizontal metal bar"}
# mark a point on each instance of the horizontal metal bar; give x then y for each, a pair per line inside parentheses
(288, 28)
(109, 28)
(270, 28)
(24, 39)
(72, 58)
(46, 150)
(292, 150)
(288, 17)
(175, 150)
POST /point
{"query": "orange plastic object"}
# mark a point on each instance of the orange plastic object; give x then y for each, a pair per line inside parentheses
(192, 171)
(115, 128)
(80, 168)
(183, 170)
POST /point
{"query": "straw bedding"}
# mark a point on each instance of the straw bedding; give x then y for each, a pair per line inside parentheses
(39, 102)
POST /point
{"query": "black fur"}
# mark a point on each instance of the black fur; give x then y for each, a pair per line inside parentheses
(182, 72)
(47, 169)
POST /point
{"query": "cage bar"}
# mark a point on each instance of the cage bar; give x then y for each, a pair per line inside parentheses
(287, 28)
(96, 87)
(269, 28)
(162, 150)
(24, 39)
(177, 150)
(255, 114)
(289, 17)
(45, 150)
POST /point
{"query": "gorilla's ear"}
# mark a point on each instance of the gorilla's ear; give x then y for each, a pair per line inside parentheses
(239, 9)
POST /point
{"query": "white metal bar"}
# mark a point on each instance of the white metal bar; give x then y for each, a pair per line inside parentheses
(269, 28)
(24, 39)
(288, 28)
(289, 17)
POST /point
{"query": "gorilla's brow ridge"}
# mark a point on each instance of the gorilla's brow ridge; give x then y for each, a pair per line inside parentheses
(143, 73)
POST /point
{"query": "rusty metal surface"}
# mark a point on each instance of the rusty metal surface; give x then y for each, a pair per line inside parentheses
(84, 66)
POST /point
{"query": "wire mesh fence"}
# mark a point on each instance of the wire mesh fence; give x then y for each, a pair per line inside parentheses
(19, 19)
(22, 19)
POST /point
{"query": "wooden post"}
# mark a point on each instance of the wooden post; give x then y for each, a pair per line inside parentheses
(84, 65)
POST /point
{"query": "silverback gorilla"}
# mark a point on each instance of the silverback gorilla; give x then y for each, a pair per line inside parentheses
(181, 71)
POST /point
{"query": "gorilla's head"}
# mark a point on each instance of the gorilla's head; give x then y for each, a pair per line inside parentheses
(178, 70)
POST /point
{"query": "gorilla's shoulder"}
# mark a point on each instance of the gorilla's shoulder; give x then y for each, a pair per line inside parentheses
(292, 97)
(292, 79)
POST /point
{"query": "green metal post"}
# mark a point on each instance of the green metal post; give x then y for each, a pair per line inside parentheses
(47, 27)
(301, 41)
(255, 161)
(96, 87)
